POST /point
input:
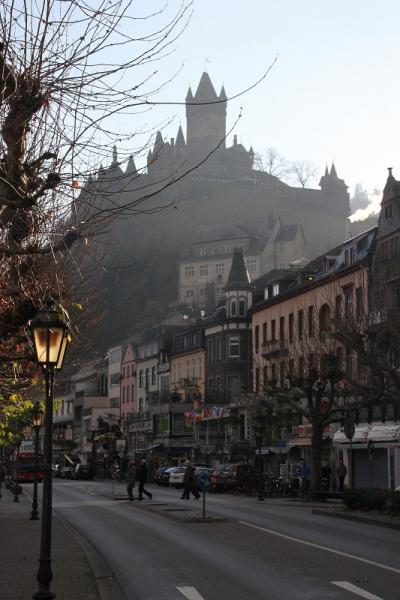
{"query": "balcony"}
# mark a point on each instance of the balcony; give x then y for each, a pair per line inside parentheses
(275, 349)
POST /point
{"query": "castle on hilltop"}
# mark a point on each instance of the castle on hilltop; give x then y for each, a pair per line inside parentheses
(201, 179)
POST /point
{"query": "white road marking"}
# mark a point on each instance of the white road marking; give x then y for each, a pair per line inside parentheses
(190, 593)
(356, 590)
(319, 547)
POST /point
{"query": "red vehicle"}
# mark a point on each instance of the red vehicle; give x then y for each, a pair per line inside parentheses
(24, 467)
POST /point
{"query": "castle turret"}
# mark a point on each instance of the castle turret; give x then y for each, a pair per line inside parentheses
(131, 167)
(238, 290)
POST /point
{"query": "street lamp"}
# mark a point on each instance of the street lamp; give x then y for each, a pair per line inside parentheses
(50, 336)
(37, 423)
(259, 432)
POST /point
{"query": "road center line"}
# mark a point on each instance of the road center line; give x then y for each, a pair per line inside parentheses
(190, 593)
(356, 590)
(319, 547)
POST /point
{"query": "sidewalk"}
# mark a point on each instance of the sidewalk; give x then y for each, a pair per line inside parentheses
(73, 578)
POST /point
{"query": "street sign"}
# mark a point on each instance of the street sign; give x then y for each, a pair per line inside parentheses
(204, 481)
(349, 428)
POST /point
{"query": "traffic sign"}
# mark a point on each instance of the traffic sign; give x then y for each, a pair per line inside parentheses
(203, 481)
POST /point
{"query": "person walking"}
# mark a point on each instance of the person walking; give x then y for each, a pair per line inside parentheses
(130, 479)
(341, 472)
(141, 477)
(189, 482)
(326, 473)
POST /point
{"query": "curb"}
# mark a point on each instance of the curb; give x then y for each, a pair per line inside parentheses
(359, 519)
(108, 585)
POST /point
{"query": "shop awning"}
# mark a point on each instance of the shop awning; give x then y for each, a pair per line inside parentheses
(383, 436)
(300, 441)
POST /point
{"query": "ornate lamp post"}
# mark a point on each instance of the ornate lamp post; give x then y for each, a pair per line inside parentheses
(259, 433)
(37, 423)
(50, 335)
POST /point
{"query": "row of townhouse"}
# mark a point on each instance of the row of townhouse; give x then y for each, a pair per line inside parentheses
(195, 388)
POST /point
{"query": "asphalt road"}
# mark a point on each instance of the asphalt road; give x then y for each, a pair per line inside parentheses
(257, 551)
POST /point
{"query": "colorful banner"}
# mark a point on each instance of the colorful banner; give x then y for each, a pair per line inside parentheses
(214, 412)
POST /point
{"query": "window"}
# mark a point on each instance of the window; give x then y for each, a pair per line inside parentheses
(147, 379)
(123, 394)
(233, 308)
(242, 307)
(348, 302)
(264, 333)
(324, 318)
(257, 380)
(218, 292)
(291, 327)
(282, 328)
(388, 211)
(115, 356)
(301, 367)
(234, 347)
(291, 367)
(275, 289)
(202, 292)
(282, 370)
(310, 321)
(203, 270)
(189, 295)
(220, 268)
(218, 349)
(187, 369)
(338, 307)
(281, 248)
(273, 330)
(359, 303)
(252, 265)
(273, 372)
(141, 378)
(193, 368)
(199, 367)
(153, 375)
(257, 338)
(300, 318)
(189, 271)
(203, 251)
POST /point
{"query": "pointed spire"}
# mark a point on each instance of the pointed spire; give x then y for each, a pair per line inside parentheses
(222, 95)
(131, 167)
(189, 95)
(326, 171)
(114, 156)
(205, 90)
(333, 171)
(238, 276)
(180, 143)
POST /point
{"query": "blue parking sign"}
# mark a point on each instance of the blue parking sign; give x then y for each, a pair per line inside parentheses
(203, 481)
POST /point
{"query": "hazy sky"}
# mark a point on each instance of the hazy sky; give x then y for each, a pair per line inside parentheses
(333, 93)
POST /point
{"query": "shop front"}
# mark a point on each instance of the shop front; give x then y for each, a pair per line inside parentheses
(373, 456)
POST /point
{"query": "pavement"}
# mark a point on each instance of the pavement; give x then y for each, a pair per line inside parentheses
(73, 576)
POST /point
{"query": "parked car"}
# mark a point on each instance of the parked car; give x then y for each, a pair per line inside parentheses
(177, 476)
(158, 475)
(82, 471)
(56, 470)
(66, 472)
(232, 477)
(165, 475)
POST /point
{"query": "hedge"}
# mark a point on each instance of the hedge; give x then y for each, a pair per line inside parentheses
(368, 499)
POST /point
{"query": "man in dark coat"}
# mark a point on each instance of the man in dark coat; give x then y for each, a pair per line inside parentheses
(141, 476)
(130, 479)
(189, 482)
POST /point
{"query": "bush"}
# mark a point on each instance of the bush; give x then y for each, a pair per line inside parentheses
(392, 506)
(365, 499)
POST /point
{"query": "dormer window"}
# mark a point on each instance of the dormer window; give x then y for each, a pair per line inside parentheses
(233, 308)
(388, 211)
(275, 289)
(242, 307)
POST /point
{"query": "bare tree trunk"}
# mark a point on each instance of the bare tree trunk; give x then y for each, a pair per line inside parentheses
(316, 455)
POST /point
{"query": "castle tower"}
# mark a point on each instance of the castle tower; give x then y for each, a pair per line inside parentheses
(206, 119)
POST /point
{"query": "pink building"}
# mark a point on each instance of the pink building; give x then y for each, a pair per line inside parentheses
(128, 385)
